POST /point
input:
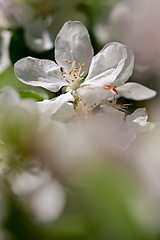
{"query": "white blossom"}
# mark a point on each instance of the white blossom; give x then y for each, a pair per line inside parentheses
(79, 72)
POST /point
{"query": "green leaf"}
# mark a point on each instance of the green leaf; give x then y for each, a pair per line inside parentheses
(8, 78)
(29, 94)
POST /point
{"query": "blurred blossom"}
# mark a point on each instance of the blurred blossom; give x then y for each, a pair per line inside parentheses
(101, 134)
(37, 19)
(14, 13)
(41, 195)
(107, 71)
(147, 159)
(22, 124)
(136, 23)
(4, 47)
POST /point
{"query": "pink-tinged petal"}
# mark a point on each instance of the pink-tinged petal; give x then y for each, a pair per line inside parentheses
(40, 73)
(112, 65)
(93, 96)
(135, 91)
(73, 43)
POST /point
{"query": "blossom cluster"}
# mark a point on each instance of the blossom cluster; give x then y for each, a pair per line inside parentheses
(43, 143)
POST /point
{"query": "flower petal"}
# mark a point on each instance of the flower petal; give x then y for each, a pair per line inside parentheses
(73, 43)
(91, 97)
(112, 65)
(50, 107)
(39, 72)
(66, 111)
(139, 119)
(135, 91)
(134, 124)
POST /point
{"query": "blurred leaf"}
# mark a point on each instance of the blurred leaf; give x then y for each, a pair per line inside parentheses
(8, 78)
(29, 94)
(18, 223)
(102, 198)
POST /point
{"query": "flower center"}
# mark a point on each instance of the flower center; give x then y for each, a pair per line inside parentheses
(75, 75)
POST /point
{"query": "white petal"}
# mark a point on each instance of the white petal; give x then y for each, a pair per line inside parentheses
(50, 107)
(127, 69)
(135, 91)
(91, 97)
(66, 111)
(133, 124)
(139, 118)
(39, 72)
(139, 115)
(73, 43)
(37, 36)
(112, 65)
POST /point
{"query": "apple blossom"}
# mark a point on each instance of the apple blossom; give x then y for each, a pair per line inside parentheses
(79, 72)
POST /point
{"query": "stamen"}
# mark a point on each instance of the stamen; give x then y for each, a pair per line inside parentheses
(107, 87)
